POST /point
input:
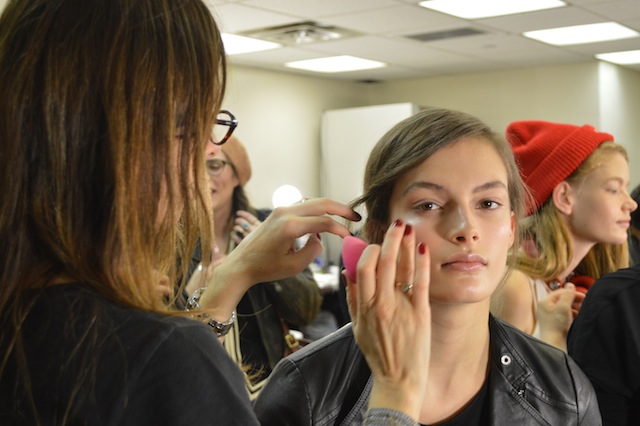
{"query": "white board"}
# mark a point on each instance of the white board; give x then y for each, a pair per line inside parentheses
(348, 135)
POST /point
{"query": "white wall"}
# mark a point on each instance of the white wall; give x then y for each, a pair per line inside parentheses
(279, 123)
(562, 93)
(280, 113)
(620, 113)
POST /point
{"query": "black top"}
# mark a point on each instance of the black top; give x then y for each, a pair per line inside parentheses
(604, 340)
(136, 367)
(476, 413)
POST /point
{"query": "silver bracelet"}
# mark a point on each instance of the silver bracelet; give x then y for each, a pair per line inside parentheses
(220, 328)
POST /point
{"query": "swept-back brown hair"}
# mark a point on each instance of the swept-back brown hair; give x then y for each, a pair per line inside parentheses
(105, 110)
(408, 144)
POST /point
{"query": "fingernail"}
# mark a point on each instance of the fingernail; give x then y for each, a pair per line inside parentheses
(408, 230)
(358, 215)
(422, 249)
(398, 222)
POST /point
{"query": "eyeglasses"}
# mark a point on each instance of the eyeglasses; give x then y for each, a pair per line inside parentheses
(223, 127)
(215, 166)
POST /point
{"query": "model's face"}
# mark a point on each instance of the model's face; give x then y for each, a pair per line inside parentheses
(600, 205)
(458, 203)
(223, 184)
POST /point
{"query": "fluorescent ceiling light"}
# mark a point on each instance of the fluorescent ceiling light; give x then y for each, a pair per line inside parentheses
(336, 64)
(580, 34)
(475, 9)
(235, 44)
(621, 58)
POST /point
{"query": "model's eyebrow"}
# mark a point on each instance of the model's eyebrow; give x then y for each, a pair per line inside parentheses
(494, 184)
(436, 187)
(618, 179)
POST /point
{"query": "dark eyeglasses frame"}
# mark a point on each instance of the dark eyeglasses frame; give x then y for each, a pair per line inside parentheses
(220, 160)
(232, 124)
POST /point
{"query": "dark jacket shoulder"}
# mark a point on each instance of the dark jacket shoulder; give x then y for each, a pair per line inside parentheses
(328, 383)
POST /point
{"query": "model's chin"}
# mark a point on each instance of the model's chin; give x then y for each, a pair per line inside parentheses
(619, 238)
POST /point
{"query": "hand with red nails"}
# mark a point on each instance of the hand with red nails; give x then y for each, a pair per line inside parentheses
(392, 324)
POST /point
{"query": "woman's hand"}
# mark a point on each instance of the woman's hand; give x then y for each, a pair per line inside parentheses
(245, 223)
(392, 318)
(555, 315)
(268, 253)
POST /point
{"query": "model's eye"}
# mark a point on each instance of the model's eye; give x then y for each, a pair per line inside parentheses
(490, 204)
(428, 206)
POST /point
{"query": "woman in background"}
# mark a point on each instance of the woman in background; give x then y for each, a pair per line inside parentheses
(261, 336)
(576, 228)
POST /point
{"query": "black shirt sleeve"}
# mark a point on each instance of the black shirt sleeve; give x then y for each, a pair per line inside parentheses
(604, 340)
(189, 380)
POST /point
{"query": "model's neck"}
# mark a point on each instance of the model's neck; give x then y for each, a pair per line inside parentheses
(460, 359)
(459, 332)
(580, 250)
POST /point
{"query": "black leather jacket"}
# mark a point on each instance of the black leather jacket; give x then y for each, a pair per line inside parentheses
(530, 383)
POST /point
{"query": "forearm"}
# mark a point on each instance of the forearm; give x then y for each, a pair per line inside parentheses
(557, 338)
(225, 287)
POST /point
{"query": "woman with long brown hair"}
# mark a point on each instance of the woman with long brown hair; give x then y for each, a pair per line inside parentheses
(106, 115)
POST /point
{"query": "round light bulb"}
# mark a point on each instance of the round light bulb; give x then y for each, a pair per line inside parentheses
(286, 195)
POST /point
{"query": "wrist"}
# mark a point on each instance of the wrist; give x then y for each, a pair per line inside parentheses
(224, 292)
(406, 397)
(554, 338)
(218, 327)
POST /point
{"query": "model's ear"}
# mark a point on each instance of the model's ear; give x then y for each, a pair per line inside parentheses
(562, 197)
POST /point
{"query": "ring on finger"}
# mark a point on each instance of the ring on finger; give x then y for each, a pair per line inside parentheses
(245, 226)
(406, 287)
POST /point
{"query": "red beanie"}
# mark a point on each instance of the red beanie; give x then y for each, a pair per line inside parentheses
(547, 153)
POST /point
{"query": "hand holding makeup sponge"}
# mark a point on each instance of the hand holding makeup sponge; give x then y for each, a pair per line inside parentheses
(352, 248)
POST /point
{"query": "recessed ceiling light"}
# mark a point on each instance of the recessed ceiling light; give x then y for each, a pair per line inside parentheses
(235, 44)
(336, 64)
(475, 9)
(580, 34)
(621, 58)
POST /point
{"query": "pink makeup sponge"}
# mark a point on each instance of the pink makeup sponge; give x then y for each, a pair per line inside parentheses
(352, 248)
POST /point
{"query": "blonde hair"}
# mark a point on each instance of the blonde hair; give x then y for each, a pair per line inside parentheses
(552, 236)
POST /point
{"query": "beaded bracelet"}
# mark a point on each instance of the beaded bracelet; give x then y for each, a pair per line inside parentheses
(220, 328)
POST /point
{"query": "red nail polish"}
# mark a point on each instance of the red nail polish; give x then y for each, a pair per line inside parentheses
(422, 249)
(408, 230)
(398, 222)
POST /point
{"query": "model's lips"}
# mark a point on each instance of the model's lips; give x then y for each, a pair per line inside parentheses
(465, 262)
(625, 223)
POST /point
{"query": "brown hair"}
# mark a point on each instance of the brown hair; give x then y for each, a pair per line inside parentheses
(97, 98)
(408, 144)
